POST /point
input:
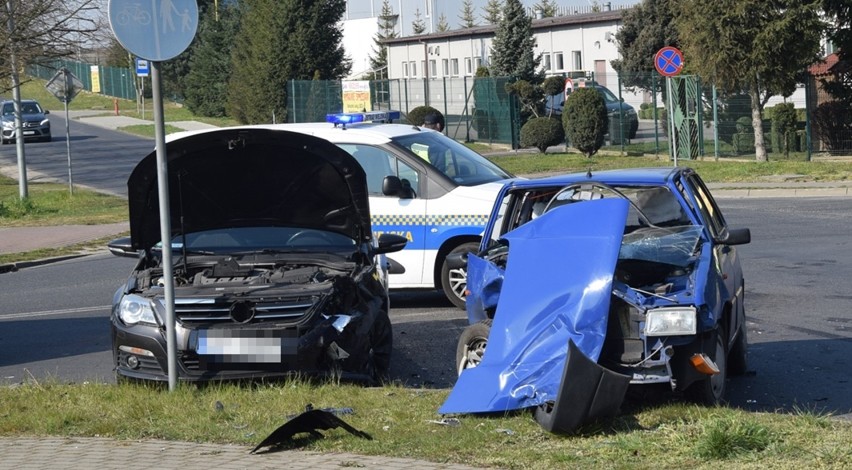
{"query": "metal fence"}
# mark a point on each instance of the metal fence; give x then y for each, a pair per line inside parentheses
(480, 109)
(118, 82)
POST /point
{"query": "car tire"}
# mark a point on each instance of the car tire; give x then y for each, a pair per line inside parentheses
(472, 343)
(710, 391)
(454, 281)
(381, 348)
(634, 128)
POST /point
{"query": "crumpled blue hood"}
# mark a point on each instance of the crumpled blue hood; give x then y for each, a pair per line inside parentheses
(557, 287)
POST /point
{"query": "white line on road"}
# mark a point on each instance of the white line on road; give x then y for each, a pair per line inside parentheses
(48, 313)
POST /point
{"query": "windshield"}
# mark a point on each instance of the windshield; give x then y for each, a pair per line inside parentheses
(260, 239)
(676, 246)
(457, 162)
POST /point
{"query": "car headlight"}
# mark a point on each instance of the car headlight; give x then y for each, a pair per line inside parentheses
(45, 122)
(134, 309)
(671, 321)
(8, 124)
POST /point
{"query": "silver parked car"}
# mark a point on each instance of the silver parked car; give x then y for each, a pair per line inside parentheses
(34, 120)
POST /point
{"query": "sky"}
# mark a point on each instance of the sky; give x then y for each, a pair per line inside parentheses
(431, 10)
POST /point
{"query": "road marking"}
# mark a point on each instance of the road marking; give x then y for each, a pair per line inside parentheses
(48, 313)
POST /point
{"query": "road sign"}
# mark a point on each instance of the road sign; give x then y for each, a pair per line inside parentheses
(64, 85)
(668, 61)
(156, 30)
(142, 67)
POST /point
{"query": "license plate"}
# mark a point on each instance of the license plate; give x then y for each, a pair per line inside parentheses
(29, 132)
(244, 347)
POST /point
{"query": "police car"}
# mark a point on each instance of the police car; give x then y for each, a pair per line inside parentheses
(423, 185)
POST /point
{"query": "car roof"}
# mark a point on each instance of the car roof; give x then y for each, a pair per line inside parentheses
(632, 176)
(366, 133)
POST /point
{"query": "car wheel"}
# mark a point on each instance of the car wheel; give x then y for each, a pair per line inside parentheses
(454, 281)
(634, 128)
(381, 348)
(472, 343)
(710, 391)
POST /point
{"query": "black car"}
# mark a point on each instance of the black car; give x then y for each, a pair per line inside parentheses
(34, 122)
(275, 270)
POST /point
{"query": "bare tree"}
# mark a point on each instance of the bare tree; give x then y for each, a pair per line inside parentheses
(40, 31)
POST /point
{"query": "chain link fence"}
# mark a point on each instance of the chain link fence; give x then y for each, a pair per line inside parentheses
(118, 82)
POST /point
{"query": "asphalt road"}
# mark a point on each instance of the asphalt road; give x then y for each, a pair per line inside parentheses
(53, 318)
(100, 158)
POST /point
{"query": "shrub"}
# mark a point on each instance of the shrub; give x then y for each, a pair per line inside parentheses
(783, 128)
(585, 120)
(416, 115)
(542, 132)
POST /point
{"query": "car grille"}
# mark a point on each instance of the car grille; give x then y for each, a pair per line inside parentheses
(190, 311)
(32, 124)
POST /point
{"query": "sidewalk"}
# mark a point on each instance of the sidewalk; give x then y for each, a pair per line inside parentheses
(86, 453)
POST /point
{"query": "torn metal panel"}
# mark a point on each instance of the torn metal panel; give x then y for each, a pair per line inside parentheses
(557, 287)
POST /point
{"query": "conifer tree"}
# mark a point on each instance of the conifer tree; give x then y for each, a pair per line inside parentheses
(442, 24)
(513, 48)
(379, 57)
(468, 19)
(418, 26)
(493, 11)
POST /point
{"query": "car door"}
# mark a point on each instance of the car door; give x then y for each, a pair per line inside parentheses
(394, 214)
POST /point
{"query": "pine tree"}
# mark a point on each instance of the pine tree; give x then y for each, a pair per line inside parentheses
(442, 24)
(279, 41)
(379, 57)
(493, 11)
(418, 26)
(468, 18)
(513, 48)
(547, 8)
(205, 91)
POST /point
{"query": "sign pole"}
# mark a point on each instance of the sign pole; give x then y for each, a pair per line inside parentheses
(165, 223)
(672, 127)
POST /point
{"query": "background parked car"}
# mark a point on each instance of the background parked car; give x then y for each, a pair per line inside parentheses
(616, 108)
(34, 121)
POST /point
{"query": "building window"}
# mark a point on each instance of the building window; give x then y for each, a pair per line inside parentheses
(405, 69)
(477, 62)
(545, 60)
(445, 65)
(413, 69)
(576, 60)
(433, 68)
(559, 64)
(454, 67)
(468, 70)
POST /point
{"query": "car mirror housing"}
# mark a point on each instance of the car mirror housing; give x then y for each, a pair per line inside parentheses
(738, 236)
(389, 243)
(392, 186)
(122, 247)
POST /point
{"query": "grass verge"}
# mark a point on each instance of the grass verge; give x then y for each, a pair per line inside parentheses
(401, 420)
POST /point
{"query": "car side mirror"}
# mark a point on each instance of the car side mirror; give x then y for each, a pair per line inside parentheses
(389, 243)
(738, 236)
(122, 247)
(393, 186)
(46, 112)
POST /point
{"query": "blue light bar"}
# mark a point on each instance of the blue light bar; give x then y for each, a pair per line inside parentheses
(350, 118)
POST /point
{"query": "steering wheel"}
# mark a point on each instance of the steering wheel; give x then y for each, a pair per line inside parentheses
(600, 187)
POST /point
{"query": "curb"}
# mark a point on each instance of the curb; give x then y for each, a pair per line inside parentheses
(12, 267)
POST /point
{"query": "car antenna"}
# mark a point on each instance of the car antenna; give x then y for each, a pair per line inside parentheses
(589, 173)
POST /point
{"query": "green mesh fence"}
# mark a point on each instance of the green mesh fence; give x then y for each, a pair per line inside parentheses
(118, 82)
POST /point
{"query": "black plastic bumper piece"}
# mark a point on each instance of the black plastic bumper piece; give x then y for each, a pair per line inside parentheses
(587, 391)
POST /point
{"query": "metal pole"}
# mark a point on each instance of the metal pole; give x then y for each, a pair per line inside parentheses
(23, 193)
(656, 122)
(672, 136)
(165, 223)
(715, 124)
(68, 140)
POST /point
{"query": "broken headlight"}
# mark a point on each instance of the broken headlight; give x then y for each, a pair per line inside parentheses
(134, 309)
(671, 321)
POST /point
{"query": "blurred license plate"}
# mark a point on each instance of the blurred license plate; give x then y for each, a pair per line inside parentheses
(243, 346)
(29, 132)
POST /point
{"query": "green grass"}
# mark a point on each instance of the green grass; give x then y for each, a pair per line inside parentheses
(670, 436)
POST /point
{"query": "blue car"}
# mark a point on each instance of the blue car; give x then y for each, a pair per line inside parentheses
(586, 284)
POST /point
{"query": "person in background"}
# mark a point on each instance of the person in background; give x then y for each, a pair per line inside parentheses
(434, 120)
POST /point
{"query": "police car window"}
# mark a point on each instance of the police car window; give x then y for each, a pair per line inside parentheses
(408, 175)
(459, 163)
(376, 164)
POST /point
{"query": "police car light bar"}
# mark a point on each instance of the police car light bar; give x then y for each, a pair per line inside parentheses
(350, 118)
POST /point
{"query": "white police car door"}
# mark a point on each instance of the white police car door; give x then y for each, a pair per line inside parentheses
(392, 214)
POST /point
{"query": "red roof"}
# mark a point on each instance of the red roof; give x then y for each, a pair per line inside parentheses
(824, 67)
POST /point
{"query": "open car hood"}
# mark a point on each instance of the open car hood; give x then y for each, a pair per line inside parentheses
(556, 290)
(251, 177)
